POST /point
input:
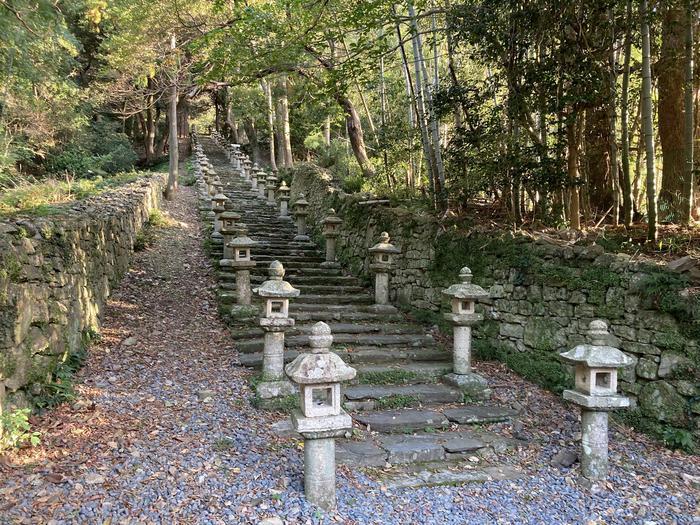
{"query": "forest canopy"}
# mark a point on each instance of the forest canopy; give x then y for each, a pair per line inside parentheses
(562, 113)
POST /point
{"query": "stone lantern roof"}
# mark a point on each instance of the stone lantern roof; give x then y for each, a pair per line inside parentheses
(384, 246)
(332, 218)
(284, 190)
(243, 242)
(229, 215)
(276, 286)
(220, 197)
(597, 354)
(321, 366)
(465, 289)
(300, 204)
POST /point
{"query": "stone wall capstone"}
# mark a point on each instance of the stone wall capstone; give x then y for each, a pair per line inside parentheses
(543, 294)
(55, 275)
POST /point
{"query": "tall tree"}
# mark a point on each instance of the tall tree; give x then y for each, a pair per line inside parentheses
(648, 122)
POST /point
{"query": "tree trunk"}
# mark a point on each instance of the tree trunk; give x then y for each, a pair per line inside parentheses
(251, 132)
(688, 183)
(671, 77)
(597, 157)
(648, 123)
(572, 136)
(355, 135)
(612, 120)
(286, 133)
(173, 153)
(327, 131)
(267, 90)
(626, 182)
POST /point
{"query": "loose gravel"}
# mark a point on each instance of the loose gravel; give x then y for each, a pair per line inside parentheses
(163, 432)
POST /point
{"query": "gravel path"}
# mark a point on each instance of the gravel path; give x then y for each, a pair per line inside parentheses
(163, 432)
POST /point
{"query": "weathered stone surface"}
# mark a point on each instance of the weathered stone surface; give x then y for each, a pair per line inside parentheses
(402, 420)
(360, 453)
(429, 478)
(414, 451)
(661, 401)
(426, 393)
(459, 445)
(671, 362)
(56, 274)
(479, 414)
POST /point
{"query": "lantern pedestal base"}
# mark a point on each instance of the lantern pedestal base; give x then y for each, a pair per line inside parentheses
(217, 238)
(382, 309)
(329, 264)
(304, 238)
(473, 385)
(273, 389)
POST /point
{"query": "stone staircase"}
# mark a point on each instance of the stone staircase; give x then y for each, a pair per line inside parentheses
(404, 414)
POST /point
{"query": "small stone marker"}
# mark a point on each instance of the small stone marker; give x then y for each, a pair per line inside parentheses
(271, 186)
(382, 262)
(242, 263)
(595, 373)
(463, 297)
(283, 192)
(276, 320)
(321, 418)
(330, 232)
(300, 213)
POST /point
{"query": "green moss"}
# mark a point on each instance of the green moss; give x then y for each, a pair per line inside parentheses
(285, 404)
(542, 368)
(388, 377)
(396, 401)
(670, 436)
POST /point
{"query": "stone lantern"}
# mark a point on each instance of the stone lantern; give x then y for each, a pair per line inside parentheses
(218, 206)
(320, 418)
(330, 232)
(261, 184)
(254, 179)
(247, 164)
(382, 262)
(275, 321)
(300, 213)
(242, 262)
(229, 221)
(595, 372)
(283, 193)
(463, 297)
(271, 186)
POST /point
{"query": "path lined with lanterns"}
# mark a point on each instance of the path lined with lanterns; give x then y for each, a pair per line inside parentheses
(163, 429)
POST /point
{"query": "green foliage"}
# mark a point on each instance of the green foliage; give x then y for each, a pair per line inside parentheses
(672, 437)
(15, 430)
(61, 387)
(668, 293)
(540, 367)
(45, 198)
(99, 150)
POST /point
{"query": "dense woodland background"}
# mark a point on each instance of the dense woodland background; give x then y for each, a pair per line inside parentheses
(543, 112)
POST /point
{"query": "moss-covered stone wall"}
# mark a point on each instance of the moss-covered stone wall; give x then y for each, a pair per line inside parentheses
(55, 275)
(543, 294)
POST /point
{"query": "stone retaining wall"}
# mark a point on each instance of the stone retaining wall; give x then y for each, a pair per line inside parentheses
(542, 296)
(55, 274)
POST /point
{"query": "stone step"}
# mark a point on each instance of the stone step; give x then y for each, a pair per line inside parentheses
(295, 341)
(337, 329)
(229, 274)
(369, 356)
(409, 373)
(355, 315)
(435, 475)
(369, 397)
(402, 421)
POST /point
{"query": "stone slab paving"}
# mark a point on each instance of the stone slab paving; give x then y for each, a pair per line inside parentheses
(426, 393)
(401, 420)
(479, 414)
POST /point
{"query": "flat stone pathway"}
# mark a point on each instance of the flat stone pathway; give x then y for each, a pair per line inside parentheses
(162, 432)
